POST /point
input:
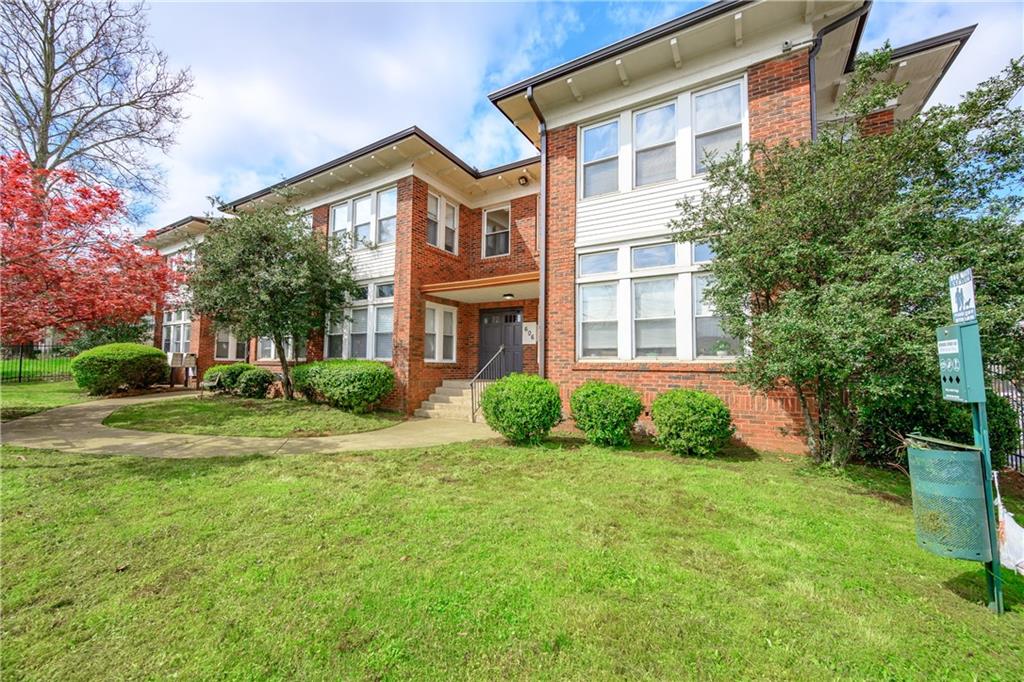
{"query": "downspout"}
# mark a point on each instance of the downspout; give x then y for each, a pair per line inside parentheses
(816, 47)
(542, 203)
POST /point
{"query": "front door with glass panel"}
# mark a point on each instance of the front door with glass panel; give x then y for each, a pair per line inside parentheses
(502, 327)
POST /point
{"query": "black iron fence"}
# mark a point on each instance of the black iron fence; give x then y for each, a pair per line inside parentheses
(34, 362)
(1016, 398)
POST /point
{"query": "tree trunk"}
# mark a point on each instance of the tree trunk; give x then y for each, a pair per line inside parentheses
(809, 426)
(286, 375)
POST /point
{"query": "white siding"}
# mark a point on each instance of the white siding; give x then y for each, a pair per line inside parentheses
(375, 262)
(644, 212)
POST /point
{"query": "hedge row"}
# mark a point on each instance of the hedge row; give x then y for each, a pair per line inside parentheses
(352, 385)
(524, 408)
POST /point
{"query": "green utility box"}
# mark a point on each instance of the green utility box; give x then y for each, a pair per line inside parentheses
(960, 368)
(950, 511)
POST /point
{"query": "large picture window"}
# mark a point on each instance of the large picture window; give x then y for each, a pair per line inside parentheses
(177, 331)
(654, 141)
(601, 159)
(365, 330)
(717, 123)
(496, 232)
(439, 333)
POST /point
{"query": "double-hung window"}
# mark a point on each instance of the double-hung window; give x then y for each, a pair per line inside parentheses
(599, 320)
(654, 317)
(654, 142)
(439, 333)
(497, 230)
(600, 159)
(229, 346)
(294, 349)
(366, 328)
(442, 223)
(368, 220)
(710, 340)
(177, 331)
(717, 123)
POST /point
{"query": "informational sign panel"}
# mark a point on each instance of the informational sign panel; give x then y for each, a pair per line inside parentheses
(961, 296)
(960, 369)
(190, 360)
(177, 359)
(529, 333)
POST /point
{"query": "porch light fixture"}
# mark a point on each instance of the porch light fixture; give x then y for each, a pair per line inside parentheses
(508, 297)
(523, 180)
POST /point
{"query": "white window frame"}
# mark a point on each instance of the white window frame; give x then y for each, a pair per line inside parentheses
(443, 203)
(233, 342)
(483, 231)
(377, 216)
(674, 103)
(634, 319)
(743, 122)
(436, 311)
(583, 164)
(371, 303)
(170, 324)
(349, 216)
(695, 316)
(291, 346)
(684, 271)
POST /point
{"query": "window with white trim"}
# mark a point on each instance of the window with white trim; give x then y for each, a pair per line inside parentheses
(710, 340)
(439, 333)
(645, 300)
(702, 252)
(442, 223)
(366, 329)
(367, 220)
(177, 331)
(717, 123)
(654, 144)
(266, 350)
(497, 232)
(599, 320)
(600, 159)
(229, 346)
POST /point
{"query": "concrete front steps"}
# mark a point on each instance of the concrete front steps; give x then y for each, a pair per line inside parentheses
(452, 400)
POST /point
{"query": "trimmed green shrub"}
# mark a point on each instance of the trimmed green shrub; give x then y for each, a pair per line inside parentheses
(118, 366)
(353, 385)
(522, 407)
(300, 381)
(885, 423)
(255, 382)
(228, 374)
(691, 422)
(605, 413)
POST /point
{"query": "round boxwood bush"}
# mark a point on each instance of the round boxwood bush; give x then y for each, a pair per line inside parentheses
(605, 413)
(522, 407)
(255, 382)
(228, 374)
(352, 385)
(691, 422)
(119, 366)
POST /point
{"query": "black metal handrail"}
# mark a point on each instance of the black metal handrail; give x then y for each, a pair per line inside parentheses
(494, 369)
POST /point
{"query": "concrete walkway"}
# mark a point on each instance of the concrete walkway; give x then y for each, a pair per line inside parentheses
(78, 428)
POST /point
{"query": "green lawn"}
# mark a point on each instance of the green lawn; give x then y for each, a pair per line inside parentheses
(30, 368)
(220, 415)
(481, 562)
(20, 400)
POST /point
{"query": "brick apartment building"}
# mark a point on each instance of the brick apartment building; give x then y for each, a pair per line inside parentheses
(565, 259)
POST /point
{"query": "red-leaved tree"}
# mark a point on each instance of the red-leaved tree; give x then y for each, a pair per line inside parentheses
(64, 265)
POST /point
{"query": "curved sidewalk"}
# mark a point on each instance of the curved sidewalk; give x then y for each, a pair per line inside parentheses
(78, 428)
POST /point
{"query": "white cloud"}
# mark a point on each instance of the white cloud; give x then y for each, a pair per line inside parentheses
(638, 16)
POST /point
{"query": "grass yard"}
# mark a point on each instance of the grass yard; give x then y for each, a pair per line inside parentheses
(220, 415)
(21, 400)
(481, 562)
(33, 368)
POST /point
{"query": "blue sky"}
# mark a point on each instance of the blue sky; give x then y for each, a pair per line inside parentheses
(282, 87)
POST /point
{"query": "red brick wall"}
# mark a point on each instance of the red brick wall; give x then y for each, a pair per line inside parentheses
(880, 122)
(779, 99)
(763, 421)
(523, 255)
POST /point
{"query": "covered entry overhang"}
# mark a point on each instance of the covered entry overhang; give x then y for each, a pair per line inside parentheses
(515, 287)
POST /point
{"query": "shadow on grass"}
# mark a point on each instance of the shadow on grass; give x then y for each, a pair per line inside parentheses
(180, 469)
(970, 586)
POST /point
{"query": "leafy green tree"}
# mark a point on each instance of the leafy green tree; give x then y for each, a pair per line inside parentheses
(266, 273)
(832, 255)
(114, 332)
